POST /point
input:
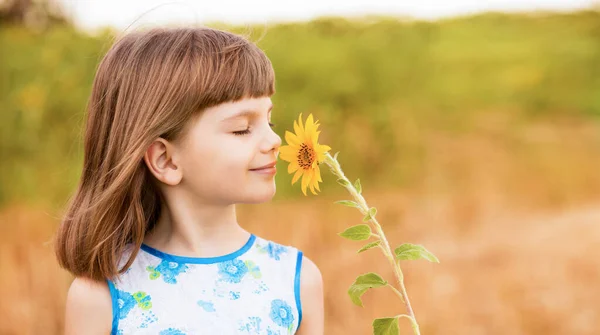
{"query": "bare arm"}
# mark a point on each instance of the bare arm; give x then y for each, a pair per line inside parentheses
(311, 296)
(89, 308)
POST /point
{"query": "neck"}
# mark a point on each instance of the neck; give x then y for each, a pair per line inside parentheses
(187, 228)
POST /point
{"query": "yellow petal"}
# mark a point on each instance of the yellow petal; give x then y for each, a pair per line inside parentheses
(317, 185)
(288, 153)
(318, 174)
(310, 127)
(312, 188)
(306, 178)
(297, 175)
(293, 166)
(323, 148)
(292, 139)
(288, 148)
(299, 133)
(315, 138)
(300, 127)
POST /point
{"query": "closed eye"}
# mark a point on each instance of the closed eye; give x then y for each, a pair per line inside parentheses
(242, 132)
(247, 131)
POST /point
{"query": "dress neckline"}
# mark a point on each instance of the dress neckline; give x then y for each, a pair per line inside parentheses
(199, 260)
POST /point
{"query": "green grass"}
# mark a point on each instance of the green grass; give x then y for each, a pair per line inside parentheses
(382, 80)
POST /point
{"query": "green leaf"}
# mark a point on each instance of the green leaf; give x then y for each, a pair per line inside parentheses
(409, 251)
(362, 284)
(370, 214)
(385, 326)
(348, 203)
(369, 246)
(357, 186)
(343, 182)
(357, 233)
(372, 211)
(335, 156)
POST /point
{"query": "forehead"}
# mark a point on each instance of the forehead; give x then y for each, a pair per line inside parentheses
(224, 113)
(244, 107)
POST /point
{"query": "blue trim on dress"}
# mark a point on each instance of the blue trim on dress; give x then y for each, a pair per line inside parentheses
(199, 260)
(297, 287)
(115, 307)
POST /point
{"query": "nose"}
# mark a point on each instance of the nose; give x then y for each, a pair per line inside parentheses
(271, 142)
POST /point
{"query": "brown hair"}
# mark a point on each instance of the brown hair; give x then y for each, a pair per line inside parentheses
(148, 85)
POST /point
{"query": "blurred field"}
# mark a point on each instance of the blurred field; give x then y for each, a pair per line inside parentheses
(517, 232)
(479, 138)
(386, 81)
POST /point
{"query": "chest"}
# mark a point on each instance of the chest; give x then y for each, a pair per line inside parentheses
(234, 297)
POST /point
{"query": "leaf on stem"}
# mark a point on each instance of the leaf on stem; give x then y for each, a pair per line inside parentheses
(359, 232)
(409, 251)
(348, 203)
(362, 284)
(372, 211)
(357, 186)
(343, 182)
(335, 156)
(385, 326)
(369, 246)
(370, 215)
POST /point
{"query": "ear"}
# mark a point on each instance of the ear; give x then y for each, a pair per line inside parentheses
(161, 160)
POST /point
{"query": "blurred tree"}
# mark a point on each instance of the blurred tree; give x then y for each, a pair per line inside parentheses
(36, 14)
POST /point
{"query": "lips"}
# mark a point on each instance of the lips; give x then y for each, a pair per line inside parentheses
(268, 166)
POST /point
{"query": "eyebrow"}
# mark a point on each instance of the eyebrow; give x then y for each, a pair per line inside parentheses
(245, 112)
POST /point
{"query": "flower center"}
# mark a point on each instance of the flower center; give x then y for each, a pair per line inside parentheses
(306, 156)
(283, 313)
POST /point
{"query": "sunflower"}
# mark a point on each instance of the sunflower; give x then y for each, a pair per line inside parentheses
(304, 153)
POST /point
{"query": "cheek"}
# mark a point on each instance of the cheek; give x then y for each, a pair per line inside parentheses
(230, 160)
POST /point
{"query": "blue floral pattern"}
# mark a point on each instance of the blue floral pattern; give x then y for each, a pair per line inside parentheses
(252, 325)
(252, 293)
(171, 331)
(206, 305)
(281, 313)
(168, 270)
(232, 271)
(127, 301)
(273, 250)
(234, 295)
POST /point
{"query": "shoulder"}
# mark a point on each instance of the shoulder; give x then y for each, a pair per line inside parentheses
(310, 277)
(273, 249)
(311, 296)
(88, 307)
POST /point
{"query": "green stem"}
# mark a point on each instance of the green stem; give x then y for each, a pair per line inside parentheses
(397, 292)
(336, 169)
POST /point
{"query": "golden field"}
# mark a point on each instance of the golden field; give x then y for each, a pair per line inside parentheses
(476, 136)
(513, 216)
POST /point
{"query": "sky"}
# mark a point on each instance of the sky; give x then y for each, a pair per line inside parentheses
(93, 14)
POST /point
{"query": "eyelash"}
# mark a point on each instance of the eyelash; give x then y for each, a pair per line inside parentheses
(247, 131)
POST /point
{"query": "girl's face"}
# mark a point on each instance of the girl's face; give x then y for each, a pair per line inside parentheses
(225, 148)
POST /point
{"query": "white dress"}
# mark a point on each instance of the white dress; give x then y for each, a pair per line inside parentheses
(254, 290)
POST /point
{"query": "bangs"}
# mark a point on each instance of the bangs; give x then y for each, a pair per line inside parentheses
(234, 71)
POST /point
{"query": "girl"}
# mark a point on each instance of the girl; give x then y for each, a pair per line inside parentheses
(178, 132)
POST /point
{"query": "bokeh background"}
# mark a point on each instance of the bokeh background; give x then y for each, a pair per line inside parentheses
(477, 136)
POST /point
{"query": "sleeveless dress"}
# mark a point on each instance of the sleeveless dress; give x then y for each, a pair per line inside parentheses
(254, 290)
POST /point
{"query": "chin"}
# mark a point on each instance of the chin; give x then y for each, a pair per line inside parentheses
(257, 196)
